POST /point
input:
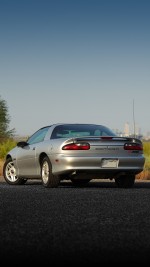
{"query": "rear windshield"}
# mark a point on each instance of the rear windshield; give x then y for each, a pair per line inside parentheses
(77, 130)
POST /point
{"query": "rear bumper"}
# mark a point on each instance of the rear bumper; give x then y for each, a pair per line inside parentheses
(63, 164)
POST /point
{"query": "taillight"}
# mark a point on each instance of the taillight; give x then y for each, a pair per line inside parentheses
(78, 146)
(133, 146)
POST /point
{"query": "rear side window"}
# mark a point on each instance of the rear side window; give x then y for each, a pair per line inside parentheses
(38, 136)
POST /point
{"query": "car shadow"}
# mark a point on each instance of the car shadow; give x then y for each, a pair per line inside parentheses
(105, 184)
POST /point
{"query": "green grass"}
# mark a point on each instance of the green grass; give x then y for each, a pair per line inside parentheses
(5, 146)
(146, 146)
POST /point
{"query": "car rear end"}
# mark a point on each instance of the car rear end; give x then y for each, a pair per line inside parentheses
(104, 155)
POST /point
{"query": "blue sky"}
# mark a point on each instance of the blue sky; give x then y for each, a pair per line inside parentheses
(75, 61)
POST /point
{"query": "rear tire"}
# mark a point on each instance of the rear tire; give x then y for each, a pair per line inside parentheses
(125, 181)
(9, 173)
(48, 178)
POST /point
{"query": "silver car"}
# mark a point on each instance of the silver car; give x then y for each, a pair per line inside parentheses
(76, 152)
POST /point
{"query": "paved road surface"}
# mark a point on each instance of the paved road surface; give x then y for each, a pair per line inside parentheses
(71, 225)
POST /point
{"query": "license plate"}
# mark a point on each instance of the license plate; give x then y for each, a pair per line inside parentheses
(109, 163)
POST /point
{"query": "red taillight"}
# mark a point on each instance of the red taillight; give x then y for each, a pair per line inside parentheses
(79, 146)
(132, 146)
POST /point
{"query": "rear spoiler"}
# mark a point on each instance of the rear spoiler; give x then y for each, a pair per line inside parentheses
(104, 138)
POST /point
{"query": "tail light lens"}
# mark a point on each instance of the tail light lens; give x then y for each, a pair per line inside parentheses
(133, 146)
(78, 146)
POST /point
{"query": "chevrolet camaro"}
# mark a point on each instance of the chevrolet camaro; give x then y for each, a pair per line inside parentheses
(75, 152)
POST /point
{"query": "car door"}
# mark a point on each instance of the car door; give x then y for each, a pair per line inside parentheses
(27, 159)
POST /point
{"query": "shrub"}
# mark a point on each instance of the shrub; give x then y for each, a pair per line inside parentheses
(146, 146)
(5, 146)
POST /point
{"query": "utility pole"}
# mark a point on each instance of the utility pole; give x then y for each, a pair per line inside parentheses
(133, 120)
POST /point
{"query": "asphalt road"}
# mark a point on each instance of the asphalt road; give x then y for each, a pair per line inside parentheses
(70, 225)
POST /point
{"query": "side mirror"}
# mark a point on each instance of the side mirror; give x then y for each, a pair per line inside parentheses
(22, 144)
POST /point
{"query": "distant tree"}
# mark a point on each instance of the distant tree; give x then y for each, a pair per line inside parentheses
(4, 121)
